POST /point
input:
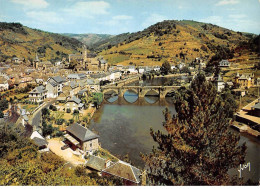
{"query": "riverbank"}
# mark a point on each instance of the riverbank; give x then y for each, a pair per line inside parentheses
(243, 128)
(171, 75)
(245, 121)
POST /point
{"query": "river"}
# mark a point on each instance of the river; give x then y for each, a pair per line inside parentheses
(124, 128)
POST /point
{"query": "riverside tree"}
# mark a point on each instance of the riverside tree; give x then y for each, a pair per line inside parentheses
(166, 67)
(197, 148)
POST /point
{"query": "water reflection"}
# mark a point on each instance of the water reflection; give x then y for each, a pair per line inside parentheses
(130, 96)
(151, 99)
(111, 97)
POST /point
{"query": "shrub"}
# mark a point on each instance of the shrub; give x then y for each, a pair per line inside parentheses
(71, 121)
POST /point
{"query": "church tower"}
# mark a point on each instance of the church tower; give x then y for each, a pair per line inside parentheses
(85, 54)
(36, 61)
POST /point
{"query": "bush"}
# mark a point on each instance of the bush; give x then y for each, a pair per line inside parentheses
(68, 110)
(53, 108)
(1, 114)
(60, 121)
(71, 121)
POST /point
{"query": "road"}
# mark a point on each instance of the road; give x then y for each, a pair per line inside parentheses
(36, 119)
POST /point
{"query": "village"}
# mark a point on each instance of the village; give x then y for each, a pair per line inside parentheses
(54, 102)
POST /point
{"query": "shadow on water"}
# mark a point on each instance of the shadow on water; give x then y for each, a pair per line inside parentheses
(130, 96)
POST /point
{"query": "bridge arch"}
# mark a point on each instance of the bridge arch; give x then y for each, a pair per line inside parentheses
(109, 90)
(154, 91)
(123, 91)
(130, 97)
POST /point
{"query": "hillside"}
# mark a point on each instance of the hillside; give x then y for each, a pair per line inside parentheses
(23, 42)
(170, 40)
(89, 39)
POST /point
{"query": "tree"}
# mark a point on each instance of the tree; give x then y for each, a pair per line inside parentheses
(198, 147)
(229, 102)
(47, 129)
(45, 112)
(97, 99)
(185, 69)
(76, 114)
(73, 64)
(1, 114)
(3, 104)
(166, 67)
(85, 119)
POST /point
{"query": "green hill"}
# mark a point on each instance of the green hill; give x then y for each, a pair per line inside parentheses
(89, 39)
(170, 40)
(23, 42)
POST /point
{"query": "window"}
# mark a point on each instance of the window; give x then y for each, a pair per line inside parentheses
(90, 145)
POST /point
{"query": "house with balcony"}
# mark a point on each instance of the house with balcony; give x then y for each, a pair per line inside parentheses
(38, 94)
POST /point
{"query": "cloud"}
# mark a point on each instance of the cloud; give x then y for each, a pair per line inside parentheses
(237, 22)
(213, 20)
(153, 19)
(122, 17)
(32, 4)
(227, 2)
(237, 16)
(117, 20)
(88, 9)
(45, 17)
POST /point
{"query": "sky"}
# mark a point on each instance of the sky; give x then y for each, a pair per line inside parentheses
(121, 16)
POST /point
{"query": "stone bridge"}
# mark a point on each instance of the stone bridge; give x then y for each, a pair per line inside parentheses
(139, 90)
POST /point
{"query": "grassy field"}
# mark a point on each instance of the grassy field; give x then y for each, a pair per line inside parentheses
(29, 107)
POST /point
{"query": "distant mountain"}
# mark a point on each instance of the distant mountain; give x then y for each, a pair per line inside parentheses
(89, 39)
(170, 40)
(24, 42)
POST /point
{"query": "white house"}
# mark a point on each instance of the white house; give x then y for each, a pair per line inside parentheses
(181, 65)
(132, 69)
(220, 84)
(3, 84)
(173, 67)
(224, 63)
(157, 68)
(39, 141)
(38, 94)
(54, 86)
(141, 69)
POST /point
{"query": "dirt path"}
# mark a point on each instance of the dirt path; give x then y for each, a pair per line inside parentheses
(55, 145)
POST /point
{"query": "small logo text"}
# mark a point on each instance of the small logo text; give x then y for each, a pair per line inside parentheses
(242, 167)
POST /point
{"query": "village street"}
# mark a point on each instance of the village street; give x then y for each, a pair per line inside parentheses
(36, 117)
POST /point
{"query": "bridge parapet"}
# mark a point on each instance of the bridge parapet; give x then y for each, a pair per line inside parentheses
(141, 91)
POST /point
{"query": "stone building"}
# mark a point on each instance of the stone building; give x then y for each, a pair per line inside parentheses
(245, 80)
(79, 137)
